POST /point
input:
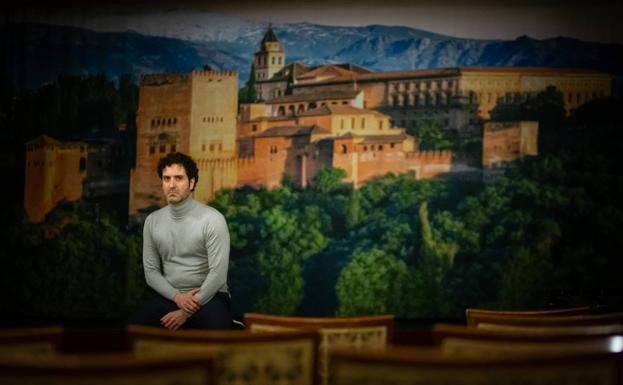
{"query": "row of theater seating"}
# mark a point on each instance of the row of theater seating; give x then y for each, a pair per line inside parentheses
(568, 346)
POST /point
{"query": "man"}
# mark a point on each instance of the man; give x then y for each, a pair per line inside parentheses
(185, 256)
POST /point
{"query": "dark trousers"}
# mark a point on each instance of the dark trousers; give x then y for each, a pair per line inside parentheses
(215, 314)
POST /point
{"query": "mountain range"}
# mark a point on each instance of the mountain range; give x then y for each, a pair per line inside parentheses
(36, 53)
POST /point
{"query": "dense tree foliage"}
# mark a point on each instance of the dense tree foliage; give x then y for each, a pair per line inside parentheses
(76, 265)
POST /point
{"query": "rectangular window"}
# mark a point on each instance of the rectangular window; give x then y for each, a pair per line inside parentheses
(173, 147)
(152, 149)
(162, 148)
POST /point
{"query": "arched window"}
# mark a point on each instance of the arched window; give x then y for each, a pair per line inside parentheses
(344, 149)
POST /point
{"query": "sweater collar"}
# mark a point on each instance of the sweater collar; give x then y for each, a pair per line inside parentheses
(182, 209)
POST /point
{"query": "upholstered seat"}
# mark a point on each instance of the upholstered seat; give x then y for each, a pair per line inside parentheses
(241, 357)
(352, 332)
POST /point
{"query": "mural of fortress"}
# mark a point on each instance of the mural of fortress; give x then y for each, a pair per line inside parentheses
(335, 115)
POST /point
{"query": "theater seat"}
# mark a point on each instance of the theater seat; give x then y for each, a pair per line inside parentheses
(352, 332)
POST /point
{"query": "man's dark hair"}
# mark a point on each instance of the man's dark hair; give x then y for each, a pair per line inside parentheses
(186, 161)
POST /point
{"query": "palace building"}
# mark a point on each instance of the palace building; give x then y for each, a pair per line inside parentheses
(460, 98)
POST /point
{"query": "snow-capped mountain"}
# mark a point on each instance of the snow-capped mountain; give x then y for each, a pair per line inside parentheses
(182, 41)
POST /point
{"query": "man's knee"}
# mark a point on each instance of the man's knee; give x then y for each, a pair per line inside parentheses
(215, 314)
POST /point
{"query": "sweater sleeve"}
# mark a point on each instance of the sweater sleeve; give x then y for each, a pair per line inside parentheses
(152, 265)
(217, 246)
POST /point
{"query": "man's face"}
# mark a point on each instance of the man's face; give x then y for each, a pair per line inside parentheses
(175, 183)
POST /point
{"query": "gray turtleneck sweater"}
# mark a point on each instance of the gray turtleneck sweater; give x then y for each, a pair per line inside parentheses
(186, 246)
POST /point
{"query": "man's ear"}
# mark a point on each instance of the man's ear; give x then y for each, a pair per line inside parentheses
(192, 184)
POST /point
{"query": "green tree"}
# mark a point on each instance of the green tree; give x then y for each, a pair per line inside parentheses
(289, 238)
(431, 136)
(373, 282)
(248, 93)
(548, 108)
(431, 269)
(354, 212)
(329, 179)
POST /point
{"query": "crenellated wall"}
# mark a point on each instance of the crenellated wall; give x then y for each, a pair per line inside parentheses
(428, 164)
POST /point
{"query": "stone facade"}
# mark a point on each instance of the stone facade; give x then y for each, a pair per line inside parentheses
(504, 143)
(55, 172)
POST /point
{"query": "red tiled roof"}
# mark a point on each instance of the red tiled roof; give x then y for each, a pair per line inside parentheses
(375, 139)
(451, 71)
(315, 95)
(293, 131)
(339, 109)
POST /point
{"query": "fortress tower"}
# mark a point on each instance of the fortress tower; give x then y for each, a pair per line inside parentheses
(54, 172)
(193, 113)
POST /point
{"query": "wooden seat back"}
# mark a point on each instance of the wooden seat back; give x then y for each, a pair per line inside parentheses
(474, 315)
(241, 357)
(40, 341)
(441, 331)
(611, 319)
(351, 332)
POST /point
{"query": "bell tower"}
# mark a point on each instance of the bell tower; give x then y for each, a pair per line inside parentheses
(270, 58)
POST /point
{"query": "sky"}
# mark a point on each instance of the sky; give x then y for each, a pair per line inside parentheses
(595, 20)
